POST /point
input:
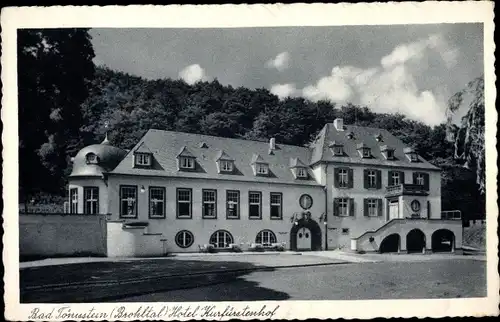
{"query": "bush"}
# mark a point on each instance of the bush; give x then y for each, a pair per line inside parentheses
(207, 248)
(257, 248)
(236, 248)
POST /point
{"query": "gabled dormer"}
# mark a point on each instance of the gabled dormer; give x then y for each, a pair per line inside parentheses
(185, 159)
(387, 152)
(350, 135)
(225, 164)
(259, 165)
(299, 168)
(379, 137)
(363, 150)
(337, 148)
(143, 157)
(411, 154)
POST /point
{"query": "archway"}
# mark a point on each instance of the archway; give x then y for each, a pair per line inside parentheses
(443, 240)
(304, 226)
(390, 244)
(415, 241)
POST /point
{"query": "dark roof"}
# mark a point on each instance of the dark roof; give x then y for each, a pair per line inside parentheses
(221, 155)
(165, 146)
(296, 163)
(365, 136)
(109, 156)
(142, 148)
(186, 153)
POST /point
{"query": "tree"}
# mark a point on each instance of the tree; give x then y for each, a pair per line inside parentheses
(469, 137)
(54, 72)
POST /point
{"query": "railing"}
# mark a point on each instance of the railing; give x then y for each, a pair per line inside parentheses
(451, 215)
(407, 189)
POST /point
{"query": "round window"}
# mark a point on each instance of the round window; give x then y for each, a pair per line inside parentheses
(184, 239)
(305, 201)
(415, 205)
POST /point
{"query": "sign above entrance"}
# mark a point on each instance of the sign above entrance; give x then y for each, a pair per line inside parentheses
(305, 201)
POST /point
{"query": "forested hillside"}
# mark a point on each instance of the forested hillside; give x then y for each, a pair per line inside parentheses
(127, 106)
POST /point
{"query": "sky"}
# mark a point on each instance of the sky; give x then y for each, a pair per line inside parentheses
(410, 69)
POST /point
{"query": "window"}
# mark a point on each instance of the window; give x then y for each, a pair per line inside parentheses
(338, 150)
(92, 158)
(366, 152)
(184, 239)
(262, 168)
(390, 154)
(419, 179)
(276, 205)
(345, 231)
(232, 204)
(415, 205)
(301, 173)
(413, 157)
(305, 201)
(209, 203)
(74, 200)
(142, 159)
(254, 204)
(372, 207)
(91, 200)
(156, 202)
(265, 238)
(221, 239)
(186, 163)
(226, 166)
(395, 178)
(343, 204)
(184, 203)
(343, 178)
(128, 201)
(372, 179)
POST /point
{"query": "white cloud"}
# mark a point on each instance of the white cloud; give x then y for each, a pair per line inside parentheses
(192, 74)
(390, 87)
(284, 90)
(280, 62)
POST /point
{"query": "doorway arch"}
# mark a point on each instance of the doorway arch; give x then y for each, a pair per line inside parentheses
(415, 241)
(443, 240)
(304, 226)
(390, 244)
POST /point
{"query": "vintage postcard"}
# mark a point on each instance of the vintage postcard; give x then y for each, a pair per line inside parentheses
(218, 162)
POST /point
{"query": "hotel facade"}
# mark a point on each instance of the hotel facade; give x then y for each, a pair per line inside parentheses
(354, 188)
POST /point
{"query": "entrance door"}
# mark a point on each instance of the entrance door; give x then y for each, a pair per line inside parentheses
(393, 210)
(304, 239)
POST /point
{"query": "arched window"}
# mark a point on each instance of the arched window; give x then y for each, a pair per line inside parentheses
(184, 239)
(221, 239)
(91, 158)
(265, 237)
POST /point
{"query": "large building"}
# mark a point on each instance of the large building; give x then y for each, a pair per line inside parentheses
(356, 188)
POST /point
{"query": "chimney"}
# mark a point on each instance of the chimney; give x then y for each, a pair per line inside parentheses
(339, 124)
(272, 144)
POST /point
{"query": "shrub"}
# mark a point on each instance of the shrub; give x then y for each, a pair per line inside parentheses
(236, 248)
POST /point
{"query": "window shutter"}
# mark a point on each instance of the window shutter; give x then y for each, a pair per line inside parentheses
(365, 178)
(379, 204)
(415, 177)
(365, 207)
(335, 206)
(401, 177)
(426, 181)
(350, 174)
(351, 207)
(379, 179)
(389, 178)
(336, 177)
(428, 209)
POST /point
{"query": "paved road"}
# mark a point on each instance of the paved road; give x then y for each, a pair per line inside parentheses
(386, 280)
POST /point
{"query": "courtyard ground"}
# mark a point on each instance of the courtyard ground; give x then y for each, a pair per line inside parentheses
(316, 275)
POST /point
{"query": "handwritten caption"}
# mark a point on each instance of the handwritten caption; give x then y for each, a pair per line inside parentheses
(214, 312)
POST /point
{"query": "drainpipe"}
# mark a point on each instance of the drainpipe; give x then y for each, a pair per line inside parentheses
(325, 189)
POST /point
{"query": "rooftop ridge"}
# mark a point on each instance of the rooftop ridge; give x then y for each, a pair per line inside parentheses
(225, 138)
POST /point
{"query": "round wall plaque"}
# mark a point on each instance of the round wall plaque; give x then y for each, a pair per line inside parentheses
(305, 201)
(415, 205)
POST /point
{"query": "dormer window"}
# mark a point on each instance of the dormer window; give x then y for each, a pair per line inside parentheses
(226, 166)
(379, 138)
(301, 173)
(350, 135)
(91, 158)
(387, 152)
(186, 163)
(364, 150)
(337, 148)
(262, 168)
(411, 154)
(143, 159)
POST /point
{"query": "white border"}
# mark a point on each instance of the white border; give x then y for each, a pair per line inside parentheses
(246, 16)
